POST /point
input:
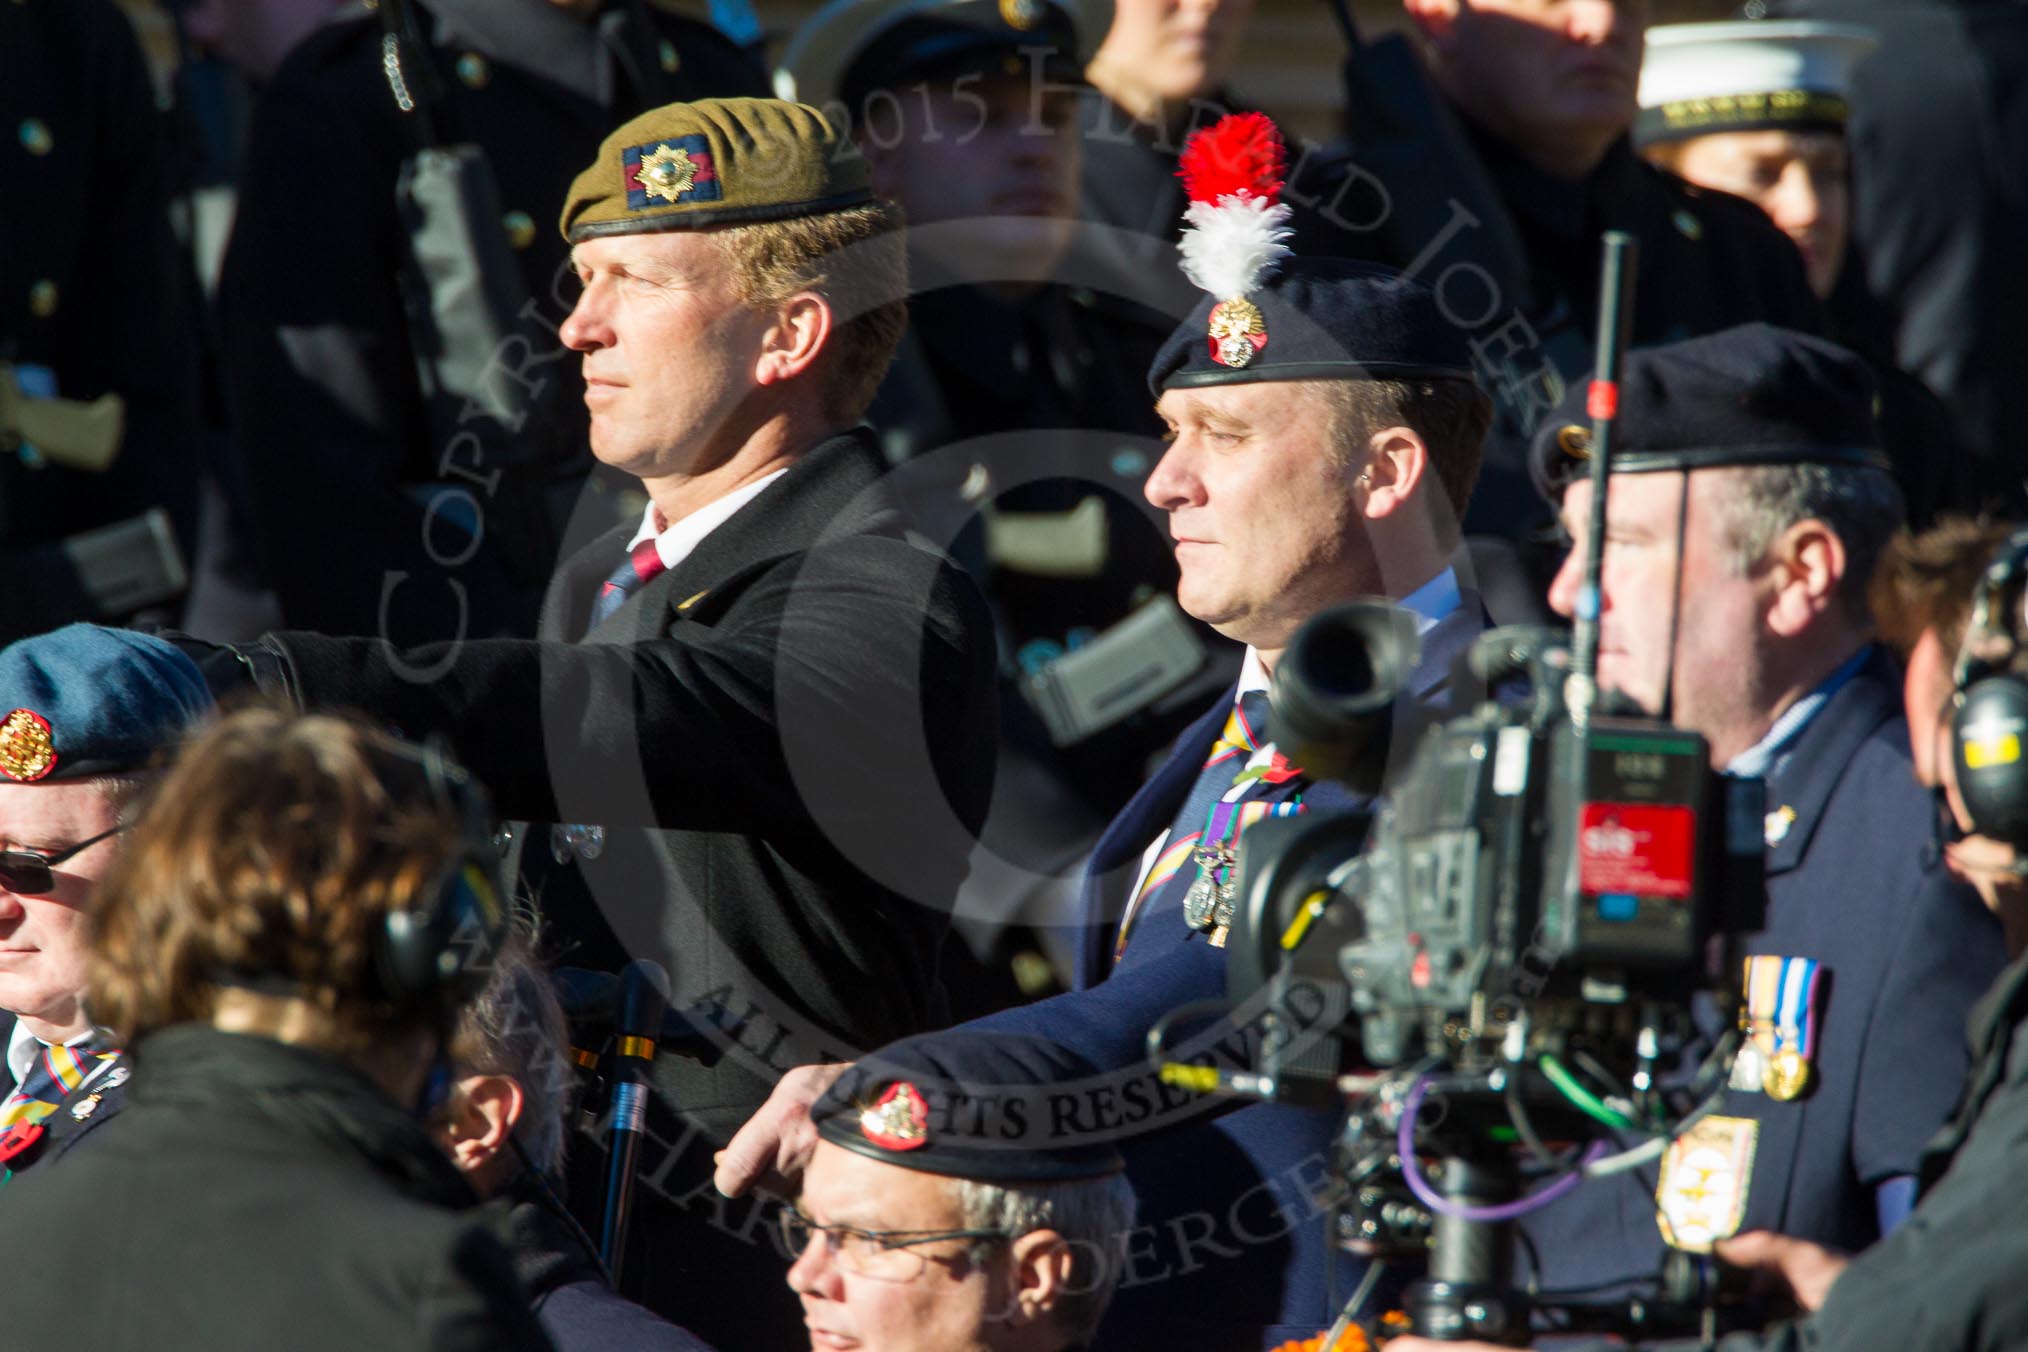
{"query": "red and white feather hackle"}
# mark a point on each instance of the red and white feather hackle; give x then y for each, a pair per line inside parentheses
(1236, 222)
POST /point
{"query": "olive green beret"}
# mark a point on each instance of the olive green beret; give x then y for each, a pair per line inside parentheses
(684, 166)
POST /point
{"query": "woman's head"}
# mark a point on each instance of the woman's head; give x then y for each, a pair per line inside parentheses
(268, 862)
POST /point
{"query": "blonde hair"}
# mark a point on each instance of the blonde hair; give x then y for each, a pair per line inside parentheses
(856, 260)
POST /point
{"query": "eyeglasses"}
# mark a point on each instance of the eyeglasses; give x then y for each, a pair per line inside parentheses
(27, 873)
(883, 1255)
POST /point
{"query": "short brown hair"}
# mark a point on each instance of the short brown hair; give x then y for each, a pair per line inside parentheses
(856, 260)
(1925, 580)
(272, 849)
(1451, 415)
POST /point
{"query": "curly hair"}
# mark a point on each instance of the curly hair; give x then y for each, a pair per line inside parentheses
(270, 850)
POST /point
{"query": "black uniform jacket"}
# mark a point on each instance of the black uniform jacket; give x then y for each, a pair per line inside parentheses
(1906, 952)
(802, 710)
(327, 406)
(255, 1194)
(1708, 260)
(92, 289)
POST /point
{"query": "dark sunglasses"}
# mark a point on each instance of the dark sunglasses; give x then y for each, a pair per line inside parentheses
(27, 873)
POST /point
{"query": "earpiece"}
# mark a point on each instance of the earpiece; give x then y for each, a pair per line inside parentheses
(443, 950)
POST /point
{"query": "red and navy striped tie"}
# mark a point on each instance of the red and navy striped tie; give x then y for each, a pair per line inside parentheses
(642, 563)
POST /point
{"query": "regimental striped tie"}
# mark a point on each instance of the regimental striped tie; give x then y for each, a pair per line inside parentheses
(643, 562)
(51, 1076)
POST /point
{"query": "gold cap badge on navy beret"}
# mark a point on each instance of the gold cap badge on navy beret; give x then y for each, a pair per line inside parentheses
(686, 166)
(27, 747)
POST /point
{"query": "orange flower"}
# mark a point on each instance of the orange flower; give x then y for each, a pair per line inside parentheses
(1352, 1339)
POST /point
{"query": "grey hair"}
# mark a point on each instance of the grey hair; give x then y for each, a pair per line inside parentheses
(123, 788)
(515, 1027)
(1862, 506)
(1092, 1214)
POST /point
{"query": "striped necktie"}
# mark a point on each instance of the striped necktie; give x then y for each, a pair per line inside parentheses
(50, 1078)
(642, 563)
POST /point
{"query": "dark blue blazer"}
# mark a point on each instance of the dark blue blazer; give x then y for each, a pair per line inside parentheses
(1908, 952)
(1230, 1251)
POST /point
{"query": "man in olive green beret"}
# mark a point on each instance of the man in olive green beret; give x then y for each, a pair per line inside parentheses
(755, 733)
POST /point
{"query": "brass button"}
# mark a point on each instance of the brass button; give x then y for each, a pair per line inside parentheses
(520, 228)
(670, 60)
(42, 299)
(35, 136)
(474, 71)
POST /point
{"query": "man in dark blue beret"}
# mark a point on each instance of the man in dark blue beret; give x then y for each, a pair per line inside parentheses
(1325, 430)
(1749, 502)
(82, 712)
(948, 1208)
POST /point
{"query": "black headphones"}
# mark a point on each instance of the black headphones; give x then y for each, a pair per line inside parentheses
(442, 951)
(1989, 718)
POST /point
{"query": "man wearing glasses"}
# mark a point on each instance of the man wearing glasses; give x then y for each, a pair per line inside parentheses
(944, 1209)
(82, 711)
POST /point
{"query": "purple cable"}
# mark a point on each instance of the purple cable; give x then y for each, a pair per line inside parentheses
(1411, 1172)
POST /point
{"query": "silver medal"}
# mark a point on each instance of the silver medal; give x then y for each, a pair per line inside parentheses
(1749, 1068)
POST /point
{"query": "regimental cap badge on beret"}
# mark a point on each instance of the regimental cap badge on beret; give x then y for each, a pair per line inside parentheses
(27, 746)
(1236, 225)
(898, 1120)
(672, 171)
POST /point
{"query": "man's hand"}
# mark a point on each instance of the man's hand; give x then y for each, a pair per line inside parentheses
(1809, 1269)
(776, 1143)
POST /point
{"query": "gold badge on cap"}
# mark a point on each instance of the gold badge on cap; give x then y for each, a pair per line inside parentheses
(1238, 332)
(899, 1120)
(27, 749)
(1021, 14)
(668, 172)
(1574, 440)
(1705, 1174)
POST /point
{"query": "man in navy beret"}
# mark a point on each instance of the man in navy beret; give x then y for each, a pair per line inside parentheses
(1325, 431)
(947, 1208)
(1749, 503)
(82, 712)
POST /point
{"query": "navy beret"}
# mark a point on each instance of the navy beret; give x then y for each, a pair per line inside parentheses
(1322, 319)
(967, 1105)
(1749, 395)
(84, 700)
